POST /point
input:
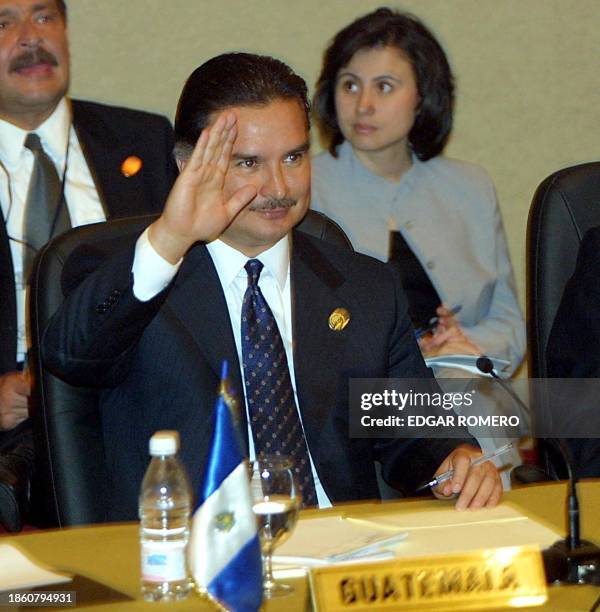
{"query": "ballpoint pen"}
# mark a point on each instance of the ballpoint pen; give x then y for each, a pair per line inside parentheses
(448, 475)
(419, 333)
(374, 547)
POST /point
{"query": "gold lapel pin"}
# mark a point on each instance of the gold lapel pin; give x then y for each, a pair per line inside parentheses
(131, 166)
(338, 319)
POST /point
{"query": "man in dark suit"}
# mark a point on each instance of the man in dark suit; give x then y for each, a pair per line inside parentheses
(152, 324)
(574, 352)
(111, 162)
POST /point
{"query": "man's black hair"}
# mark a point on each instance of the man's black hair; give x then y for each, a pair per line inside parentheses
(228, 80)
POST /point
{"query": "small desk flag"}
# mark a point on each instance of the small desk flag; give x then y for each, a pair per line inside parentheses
(224, 551)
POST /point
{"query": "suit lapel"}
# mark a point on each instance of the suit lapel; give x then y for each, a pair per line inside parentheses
(104, 153)
(318, 350)
(197, 300)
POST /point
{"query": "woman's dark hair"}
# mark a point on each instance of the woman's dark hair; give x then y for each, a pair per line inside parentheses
(233, 79)
(387, 28)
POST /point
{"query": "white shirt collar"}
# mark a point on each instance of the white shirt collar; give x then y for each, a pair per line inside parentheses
(230, 262)
(54, 134)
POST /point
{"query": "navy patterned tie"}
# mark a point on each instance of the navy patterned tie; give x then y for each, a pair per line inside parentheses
(276, 427)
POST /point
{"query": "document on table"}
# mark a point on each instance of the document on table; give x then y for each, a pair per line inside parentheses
(20, 572)
(428, 532)
(335, 539)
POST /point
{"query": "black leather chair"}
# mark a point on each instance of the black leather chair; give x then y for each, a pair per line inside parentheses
(564, 207)
(71, 482)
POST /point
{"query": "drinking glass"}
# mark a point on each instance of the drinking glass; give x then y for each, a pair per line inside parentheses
(276, 501)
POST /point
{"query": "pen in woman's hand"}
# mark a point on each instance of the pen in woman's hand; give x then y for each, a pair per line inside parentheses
(422, 331)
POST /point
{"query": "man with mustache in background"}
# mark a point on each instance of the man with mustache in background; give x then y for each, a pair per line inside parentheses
(226, 273)
(62, 163)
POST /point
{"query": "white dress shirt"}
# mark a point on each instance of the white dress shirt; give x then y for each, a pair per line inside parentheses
(151, 274)
(60, 143)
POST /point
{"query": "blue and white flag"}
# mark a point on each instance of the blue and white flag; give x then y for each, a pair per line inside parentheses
(224, 551)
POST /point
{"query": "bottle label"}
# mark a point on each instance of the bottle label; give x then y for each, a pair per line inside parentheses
(163, 561)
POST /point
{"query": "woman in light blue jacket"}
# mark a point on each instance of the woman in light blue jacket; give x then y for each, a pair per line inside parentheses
(384, 102)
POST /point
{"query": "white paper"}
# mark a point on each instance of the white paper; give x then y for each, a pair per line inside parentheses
(19, 572)
(430, 532)
(315, 541)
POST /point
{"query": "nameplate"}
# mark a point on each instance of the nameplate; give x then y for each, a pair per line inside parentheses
(491, 578)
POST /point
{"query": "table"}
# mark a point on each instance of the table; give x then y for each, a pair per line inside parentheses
(105, 558)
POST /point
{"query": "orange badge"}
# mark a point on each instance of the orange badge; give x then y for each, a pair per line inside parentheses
(131, 166)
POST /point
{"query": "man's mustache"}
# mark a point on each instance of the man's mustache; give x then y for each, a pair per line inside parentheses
(32, 58)
(273, 203)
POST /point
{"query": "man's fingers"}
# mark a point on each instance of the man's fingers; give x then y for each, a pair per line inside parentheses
(10, 418)
(195, 160)
(215, 135)
(15, 388)
(485, 484)
(461, 462)
(23, 386)
(483, 487)
(496, 495)
(476, 485)
(225, 157)
(219, 132)
(469, 489)
(211, 143)
(242, 197)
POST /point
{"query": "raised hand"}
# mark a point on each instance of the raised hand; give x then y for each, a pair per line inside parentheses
(196, 208)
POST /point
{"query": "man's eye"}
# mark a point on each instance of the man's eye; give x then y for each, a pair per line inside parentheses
(246, 163)
(294, 158)
(46, 17)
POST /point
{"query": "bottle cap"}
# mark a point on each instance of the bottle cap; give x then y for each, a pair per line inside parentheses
(164, 442)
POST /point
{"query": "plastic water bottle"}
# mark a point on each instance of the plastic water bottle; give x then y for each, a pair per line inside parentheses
(164, 507)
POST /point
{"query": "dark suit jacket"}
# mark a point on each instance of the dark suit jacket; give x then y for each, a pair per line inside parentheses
(108, 135)
(158, 363)
(574, 351)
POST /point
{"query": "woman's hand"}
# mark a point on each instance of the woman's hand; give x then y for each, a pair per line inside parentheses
(447, 338)
(446, 318)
